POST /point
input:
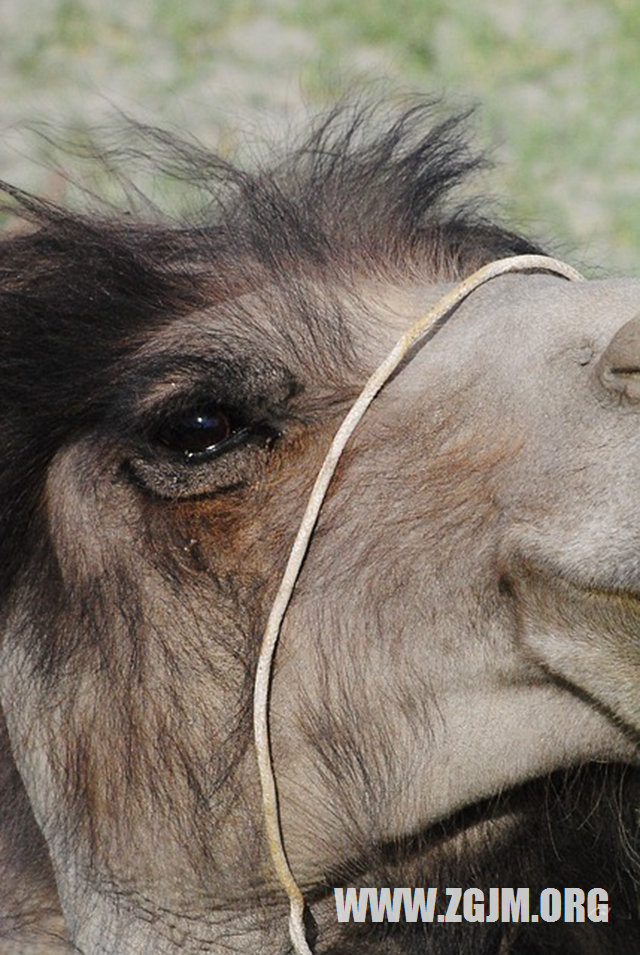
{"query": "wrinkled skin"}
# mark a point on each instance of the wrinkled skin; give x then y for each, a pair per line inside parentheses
(467, 621)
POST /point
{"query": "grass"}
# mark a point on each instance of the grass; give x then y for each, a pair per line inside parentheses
(557, 82)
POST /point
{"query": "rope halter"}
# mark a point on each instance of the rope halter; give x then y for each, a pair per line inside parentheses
(430, 320)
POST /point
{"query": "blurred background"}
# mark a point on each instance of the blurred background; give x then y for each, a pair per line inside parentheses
(556, 84)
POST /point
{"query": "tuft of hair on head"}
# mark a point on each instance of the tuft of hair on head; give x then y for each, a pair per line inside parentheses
(370, 190)
(371, 185)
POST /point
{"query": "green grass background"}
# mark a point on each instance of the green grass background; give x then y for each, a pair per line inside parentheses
(557, 84)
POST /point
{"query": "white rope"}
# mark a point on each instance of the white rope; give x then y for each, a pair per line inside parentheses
(520, 263)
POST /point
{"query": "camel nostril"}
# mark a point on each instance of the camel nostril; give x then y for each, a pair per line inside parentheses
(619, 367)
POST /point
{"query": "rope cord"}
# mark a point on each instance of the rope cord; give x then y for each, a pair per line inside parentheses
(519, 263)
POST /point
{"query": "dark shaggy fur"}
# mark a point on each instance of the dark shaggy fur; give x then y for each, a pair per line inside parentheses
(78, 293)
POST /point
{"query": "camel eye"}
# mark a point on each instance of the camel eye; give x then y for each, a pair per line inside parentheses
(200, 433)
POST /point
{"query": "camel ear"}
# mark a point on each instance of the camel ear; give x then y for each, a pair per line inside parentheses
(619, 367)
